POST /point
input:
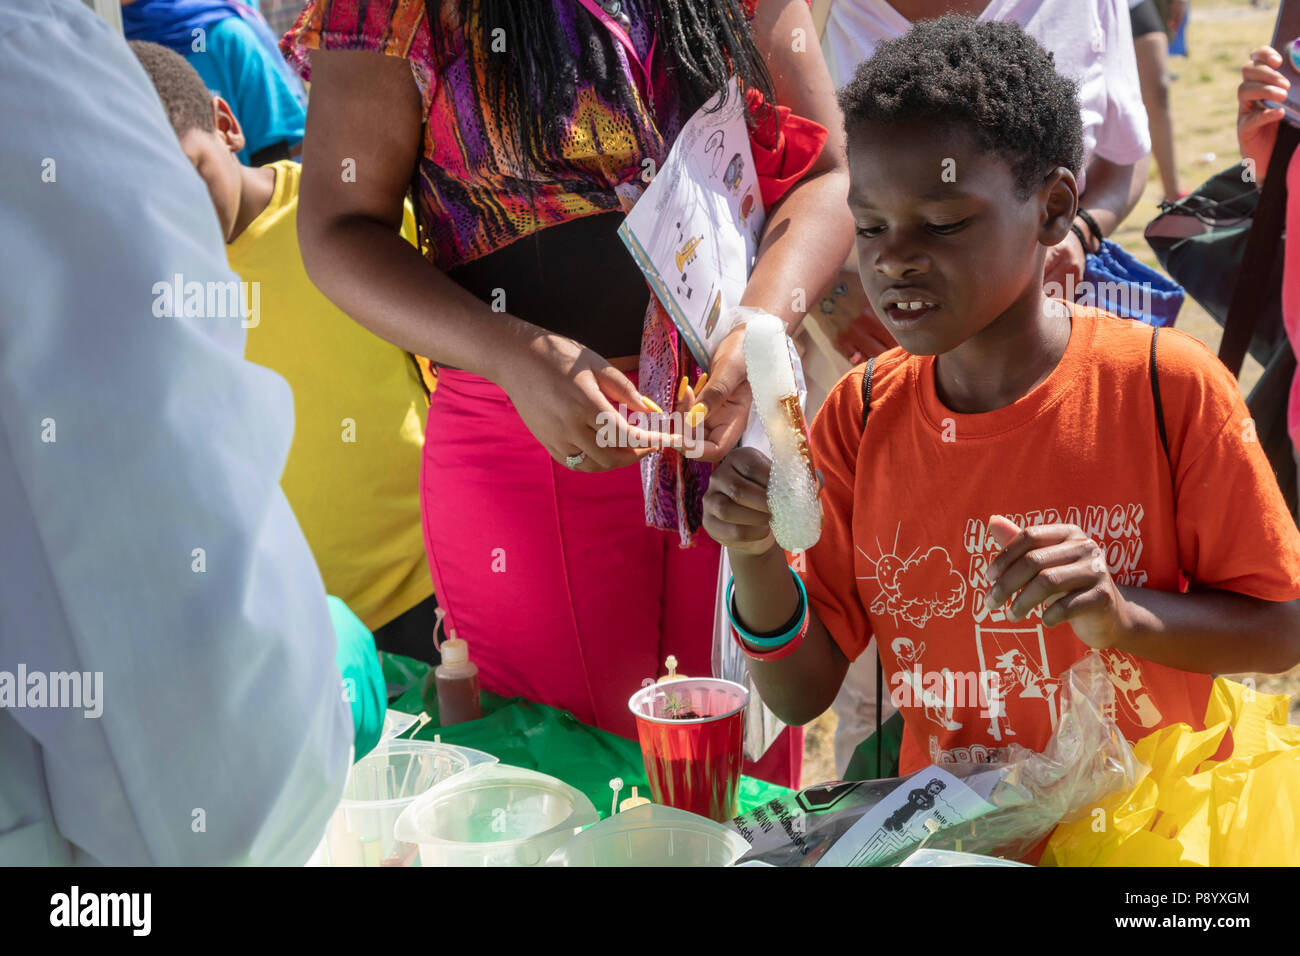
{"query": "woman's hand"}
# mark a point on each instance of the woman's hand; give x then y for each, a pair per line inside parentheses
(568, 395)
(725, 396)
(1256, 123)
(735, 506)
(1061, 569)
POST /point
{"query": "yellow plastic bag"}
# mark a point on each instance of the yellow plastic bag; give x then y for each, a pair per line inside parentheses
(1193, 811)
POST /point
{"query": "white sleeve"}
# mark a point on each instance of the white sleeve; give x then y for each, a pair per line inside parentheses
(128, 442)
(1124, 136)
(854, 28)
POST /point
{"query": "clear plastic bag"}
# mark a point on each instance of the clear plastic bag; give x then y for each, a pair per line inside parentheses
(762, 727)
(999, 808)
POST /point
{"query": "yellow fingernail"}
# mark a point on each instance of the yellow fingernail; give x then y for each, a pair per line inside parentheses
(704, 377)
(653, 406)
(681, 389)
(696, 414)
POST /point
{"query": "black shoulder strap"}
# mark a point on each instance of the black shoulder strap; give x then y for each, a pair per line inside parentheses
(1155, 395)
(880, 671)
(866, 391)
(1252, 287)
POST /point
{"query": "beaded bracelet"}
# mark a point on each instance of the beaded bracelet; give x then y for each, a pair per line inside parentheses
(1096, 236)
(1074, 228)
(1093, 228)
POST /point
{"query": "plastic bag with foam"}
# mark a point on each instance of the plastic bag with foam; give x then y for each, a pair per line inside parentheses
(792, 486)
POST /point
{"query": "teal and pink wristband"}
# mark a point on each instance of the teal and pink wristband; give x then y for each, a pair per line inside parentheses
(773, 646)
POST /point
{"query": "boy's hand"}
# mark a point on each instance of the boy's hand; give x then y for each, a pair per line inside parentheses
(1062, 569)
(735, 506)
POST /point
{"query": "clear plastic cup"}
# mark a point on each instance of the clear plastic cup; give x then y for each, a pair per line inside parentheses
(380, 786)
(396, 723)
(692, 742)
(494, 816)
(652, 835)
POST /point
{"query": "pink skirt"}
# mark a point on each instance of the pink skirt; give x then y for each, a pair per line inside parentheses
(564, 594)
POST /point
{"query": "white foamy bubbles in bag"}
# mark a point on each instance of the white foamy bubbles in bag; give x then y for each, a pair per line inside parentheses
(792, 486)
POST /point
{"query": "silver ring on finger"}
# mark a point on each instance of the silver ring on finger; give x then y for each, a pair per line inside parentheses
(573, 461)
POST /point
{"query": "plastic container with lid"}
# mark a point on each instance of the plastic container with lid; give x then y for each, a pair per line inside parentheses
(652, 835)
(494, 816)
(380, 786)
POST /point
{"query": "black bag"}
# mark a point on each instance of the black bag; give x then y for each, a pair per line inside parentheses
(1224, 244)
(1201, 241)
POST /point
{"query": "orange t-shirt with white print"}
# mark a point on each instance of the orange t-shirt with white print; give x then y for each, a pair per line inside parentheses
(906, 542)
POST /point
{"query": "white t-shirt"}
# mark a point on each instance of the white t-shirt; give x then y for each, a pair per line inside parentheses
(1092, 43)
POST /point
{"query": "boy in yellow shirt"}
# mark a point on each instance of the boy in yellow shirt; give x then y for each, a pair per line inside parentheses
(352, 476)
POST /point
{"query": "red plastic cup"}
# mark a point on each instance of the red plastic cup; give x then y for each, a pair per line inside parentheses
(693, 761)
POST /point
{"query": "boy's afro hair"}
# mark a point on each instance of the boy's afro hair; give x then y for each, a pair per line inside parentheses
(993, 78)
(184, 95)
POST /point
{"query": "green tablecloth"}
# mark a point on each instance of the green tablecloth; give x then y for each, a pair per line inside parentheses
(525, 734)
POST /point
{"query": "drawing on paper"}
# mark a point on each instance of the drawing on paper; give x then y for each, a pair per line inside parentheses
(731, 178)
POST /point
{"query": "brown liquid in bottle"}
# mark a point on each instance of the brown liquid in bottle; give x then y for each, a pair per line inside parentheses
(457, 683)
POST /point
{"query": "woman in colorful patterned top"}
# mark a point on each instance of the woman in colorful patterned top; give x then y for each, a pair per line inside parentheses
(525, 132)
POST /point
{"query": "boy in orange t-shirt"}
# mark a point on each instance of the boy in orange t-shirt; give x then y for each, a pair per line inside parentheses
(1034, 479)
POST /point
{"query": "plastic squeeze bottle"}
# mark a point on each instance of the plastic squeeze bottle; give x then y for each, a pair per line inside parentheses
(457, 680)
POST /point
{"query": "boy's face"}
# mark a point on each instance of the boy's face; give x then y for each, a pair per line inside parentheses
(213, 153)
(939, 223)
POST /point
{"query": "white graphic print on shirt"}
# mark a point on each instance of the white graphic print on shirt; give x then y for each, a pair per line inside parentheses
(920, 589)
(903, 592)
(937, 709)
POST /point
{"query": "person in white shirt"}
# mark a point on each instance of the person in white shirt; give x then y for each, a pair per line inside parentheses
(151, 568)
(1092, 43)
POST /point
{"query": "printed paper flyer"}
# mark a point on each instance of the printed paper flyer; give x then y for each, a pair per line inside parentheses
(694, 231)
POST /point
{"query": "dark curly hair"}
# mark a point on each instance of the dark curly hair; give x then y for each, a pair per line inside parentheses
(991, 78)
(184, 95)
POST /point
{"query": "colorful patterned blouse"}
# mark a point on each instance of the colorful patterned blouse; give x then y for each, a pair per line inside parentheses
(469, 198)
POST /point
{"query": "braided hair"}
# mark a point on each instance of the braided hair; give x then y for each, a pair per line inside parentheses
(534, 86)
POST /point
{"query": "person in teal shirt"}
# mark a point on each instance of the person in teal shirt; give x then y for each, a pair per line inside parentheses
(363, 677)
(235, 53)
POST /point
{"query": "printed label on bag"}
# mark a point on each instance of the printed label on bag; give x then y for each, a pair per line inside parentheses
(899, 820)
(777, 823)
